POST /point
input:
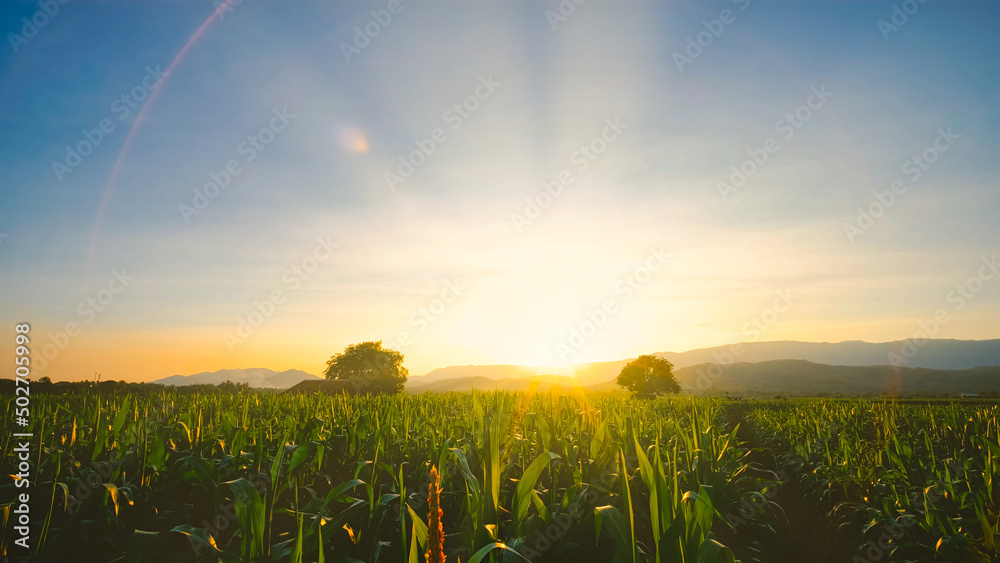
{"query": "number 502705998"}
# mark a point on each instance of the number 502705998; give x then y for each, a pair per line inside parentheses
(21, 353)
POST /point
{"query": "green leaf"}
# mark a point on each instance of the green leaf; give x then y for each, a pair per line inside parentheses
(649, 478)
(610, 518)
(122, 416)
(203, 470)
(197, 537)
(249, 516)
(113, 495)
(714, 552)
(543, 511)
(419, 528)
(300, 456)
(140, 545)
(470, 479)
(482, 553)
(522, 495)
(627, 496)
(338, 491)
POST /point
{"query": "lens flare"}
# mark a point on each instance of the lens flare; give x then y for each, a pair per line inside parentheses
(352, 140)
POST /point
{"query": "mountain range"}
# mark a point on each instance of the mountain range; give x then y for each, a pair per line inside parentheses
(787, 377)
(789, 367)
(255, 377)
(934, 354)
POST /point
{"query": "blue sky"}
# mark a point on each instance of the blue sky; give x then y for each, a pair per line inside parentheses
(523, 287)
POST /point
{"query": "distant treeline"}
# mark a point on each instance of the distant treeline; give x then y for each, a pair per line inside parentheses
(46, 386)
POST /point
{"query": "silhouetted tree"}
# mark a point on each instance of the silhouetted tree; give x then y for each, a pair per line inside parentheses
(648, 376)
(369, 367)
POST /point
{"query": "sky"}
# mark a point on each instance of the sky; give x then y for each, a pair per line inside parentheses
(190, 186)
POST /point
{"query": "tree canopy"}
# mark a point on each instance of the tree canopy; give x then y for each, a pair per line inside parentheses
(369, 367)
(648, 376)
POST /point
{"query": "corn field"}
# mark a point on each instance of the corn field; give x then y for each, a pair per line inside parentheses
(261, 477)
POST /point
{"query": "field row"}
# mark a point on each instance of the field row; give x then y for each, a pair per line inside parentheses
(245, 476)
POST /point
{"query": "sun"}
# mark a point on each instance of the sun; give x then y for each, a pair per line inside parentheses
(562, 370)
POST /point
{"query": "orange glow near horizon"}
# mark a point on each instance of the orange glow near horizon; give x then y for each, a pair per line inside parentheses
(146, 355)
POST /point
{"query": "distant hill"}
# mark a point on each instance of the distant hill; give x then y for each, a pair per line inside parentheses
(799, 377)
(459, 384)
(584, 374)
(820, 367)
(254, 377)
(786, 377)
(935, 354)
(488, 371)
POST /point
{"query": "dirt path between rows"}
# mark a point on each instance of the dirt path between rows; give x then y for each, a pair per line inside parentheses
(806, 537)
